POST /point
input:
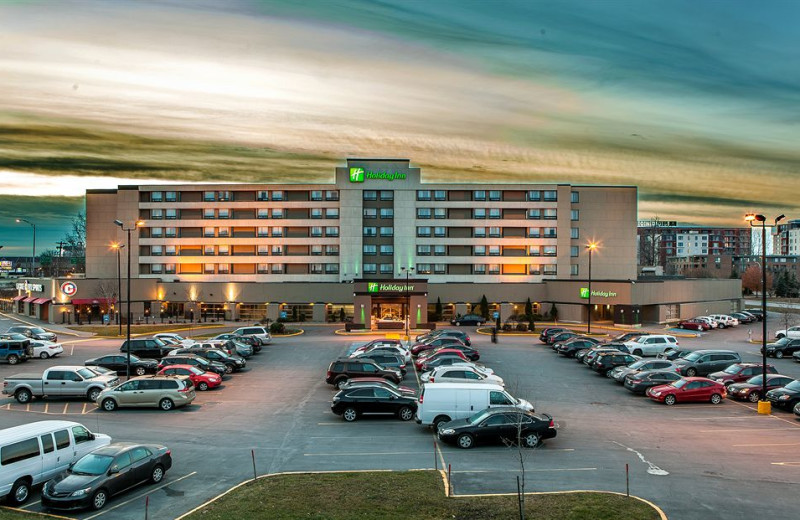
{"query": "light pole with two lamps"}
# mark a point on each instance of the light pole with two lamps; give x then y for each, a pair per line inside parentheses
(136, 225)
(591, 246)
(117, 247)
(33, 257)
(764, 406)
(407, 271)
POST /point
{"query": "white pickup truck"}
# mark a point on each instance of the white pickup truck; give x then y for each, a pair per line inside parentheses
(62, 381)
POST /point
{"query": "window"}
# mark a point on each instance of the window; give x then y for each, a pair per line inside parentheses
(262, 231)
(495, 195)
(208, 213)
(62, 439)
(169, 268)
(223, 195)
(370, 195)
(332, 250)
(479, 269)
(573, 251)
(370, 212)
(494, 232)
(550, 232)
(387, 250)
(81, 434)
(156, 268)
(423, 194)
(440, 213)
(156, 250)
(534, 195)
(331, 195)
(171, 232)
(550, 195)
(550, 214)
(47, 443)
(574, 233)
(575, 197)
(387, 268)
(276, 213)
(331, 268)
(573, 269)
(276, 231)
(479, 195)
(315, 268)
(387, 231)
(276, 268)
(423, 212)
(424, 250)
(423, 268)
(439, 250)
(494, 268)
(574, 215)
(264, 213)
(316, 250)
(18, 451)
(224, 250)
(439, 195)
(440, 231)
(262, 195)
(278, 195)
(479, 213)
(550, 269)
(534, 232)
(316, 231)
(549, 250)
(156, 214)
(479, 232)
(494, 213)
(387, 212)
(209, 196)
(208, 268)
(440, 268)
(316, 195)
(423, 231)
(370, 268)
(534, 214)
(277, 250)
(221, 232)
(171, 214)
(370, 250)
(171, 250)
(156, 196)
(534, 250)
(534, 269)
(370, 231)
(332, 213)
(387, 195)
(494, 250)
(479, 250)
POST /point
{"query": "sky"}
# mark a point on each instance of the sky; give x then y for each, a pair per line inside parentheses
(697, 102)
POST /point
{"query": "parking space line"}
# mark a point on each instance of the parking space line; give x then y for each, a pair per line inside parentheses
(66, 405)
(738, 430)
(376, 453)
(331, 423)
(31, 504)
(543, 470)
(785, 463)
(756, 445)
(83, 410)
(735, 417)
(148, 492)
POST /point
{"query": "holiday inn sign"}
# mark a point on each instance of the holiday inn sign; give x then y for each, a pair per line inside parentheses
(360, 174)
(599, 294)
(375, 287)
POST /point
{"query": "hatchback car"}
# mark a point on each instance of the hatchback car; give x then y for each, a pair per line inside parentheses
(468, 319)
(46, 349)
(689, 389)
(201, 379)
(704, 362)
(358, 401)
(640, 382)
(119, 364)
(106, 471)
(739, 372)
(751, 389)
(164, 392)
(498, 425)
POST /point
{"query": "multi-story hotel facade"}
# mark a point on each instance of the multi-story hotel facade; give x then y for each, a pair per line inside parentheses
(379, 244)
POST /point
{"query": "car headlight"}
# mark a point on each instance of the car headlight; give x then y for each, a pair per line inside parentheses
(657, 394)
(784, 397)
(81, 492)
(448, 431)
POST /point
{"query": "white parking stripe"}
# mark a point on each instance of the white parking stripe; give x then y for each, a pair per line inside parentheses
(361, 453)
(546, 470)
(148, 492)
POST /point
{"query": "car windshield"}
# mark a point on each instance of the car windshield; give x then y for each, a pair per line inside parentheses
(196, 371)
(679, 383)
(480, 416)
(85, 373)
(693, 356)
(793, 386)
(755, 380)
(638, 364)
(733, 369)
(38, 330)
(92, 464)
(782, 341)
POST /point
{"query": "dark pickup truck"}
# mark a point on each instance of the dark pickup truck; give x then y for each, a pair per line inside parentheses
(15, 348)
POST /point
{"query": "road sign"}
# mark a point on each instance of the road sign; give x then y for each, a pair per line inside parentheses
(496, 315)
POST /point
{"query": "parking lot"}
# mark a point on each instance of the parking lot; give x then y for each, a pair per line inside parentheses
(694, 460)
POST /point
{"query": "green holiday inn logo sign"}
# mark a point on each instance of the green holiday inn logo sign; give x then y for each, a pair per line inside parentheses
(361, 174)
(375, 287)
(599, 294)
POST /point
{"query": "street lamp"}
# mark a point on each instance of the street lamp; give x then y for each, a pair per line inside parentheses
(136, 225)
(33, 257)
(407, 271)
(117, 246)
(591, 246)
(764, 406)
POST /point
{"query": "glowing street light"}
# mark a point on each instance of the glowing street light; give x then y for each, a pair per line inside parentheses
(136, 225)
(591, 246)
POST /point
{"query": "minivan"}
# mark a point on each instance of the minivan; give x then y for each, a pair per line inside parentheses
(164, 392)
(443, 402)
(704, 362)
(36, 452)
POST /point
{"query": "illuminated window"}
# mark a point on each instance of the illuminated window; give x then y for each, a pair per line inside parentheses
(171, 250)
(331, 195)
(172, 196)
(223, 268)
(550, 214)
(263, 250)
(494, 250)
(495, 195)
(276, 231)
(574, 215)
(439, 268)
(479, 195)
(332, 250)
(262, 213)
(495, 232)
(171, 232)
(316, 250)
(275, 213)
(534, 250)
(549, 250)
(277, 250)
(157, 232)
(223, 195)
(171, 214)
(209, 196)
(316, 268)
(278, 195)
(169, 268)
(262, 195)
(424, 212)
(387, 250)
(207, 232)
(224, 250)
(550, 232)
(423, 268)
(494, 213)
(331, 268)
(221, 232)
(208, 250)
(208, 268)
(370, 231)
(156, 250)
(387, 231)
(156, 214)
(262, 268)
(550, 269)
(534, 269)
(156, 268)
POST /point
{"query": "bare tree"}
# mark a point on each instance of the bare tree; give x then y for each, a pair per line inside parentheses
(108, 292)
(650, 241)
(752, 278)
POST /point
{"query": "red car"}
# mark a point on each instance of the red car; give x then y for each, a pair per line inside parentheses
(689, 389)
(739, 372)
(419, 348)
(750, 390)
(694, 325)
(441, 352)
(201, 379)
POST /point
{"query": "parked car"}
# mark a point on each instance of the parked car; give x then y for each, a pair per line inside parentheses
(370, 400)
(148, 348)
(58, 381)
(549, 331)
(725, 320)
(468, 319)
(560, 337)
(15, 348)
(689, 389)
(626, 336)
(164, 392)
(33, 332)
(640, 382)
(232, 362)
(694, 324)
(388, 349)
(460, 335)
(709, 320)
(105, 472)
(119, 364)
(451, 360)
(427, 335)
(175, 337)
(201, 379)
(796, 356)
(260, 333)
(420, 361)
(744, 317)
(757, 313)
(593, 352)
(460, 374)
(343, 369)
(432, 344)
(750, 390)
(254, 342)
(443, 402)
(571, 347)
(607, 361)
(673, 354)
(46, 349)
(354, 382)
(643, 365)
(739, 372)
(786, 397)
(704, 362)
(651, 345)
(797, 409)
(505, 425)
(783, 347)
(41, 462)
(194, 360)
(387, 360)
(469, 352)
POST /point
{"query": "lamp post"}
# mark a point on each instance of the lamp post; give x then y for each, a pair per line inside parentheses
(764, 406)
(407, 271)
(117, 246)
(136, 225)
(590, 247)
(33, 256)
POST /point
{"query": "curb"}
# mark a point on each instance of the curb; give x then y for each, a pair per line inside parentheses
(46, 515)
(298, 333)
(66, 332)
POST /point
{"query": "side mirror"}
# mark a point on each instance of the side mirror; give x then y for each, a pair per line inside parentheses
(91, 436)
(113, 470)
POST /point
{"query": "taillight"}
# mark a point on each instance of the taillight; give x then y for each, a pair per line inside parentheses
(328, 374)
(431, 380)
(422, 395)
(184, 389)
(552, 423)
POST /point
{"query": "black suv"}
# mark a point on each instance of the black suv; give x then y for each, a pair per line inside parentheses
(191, 359)
(344, 368)
(152, 348)
(783, 347)
(606, 361)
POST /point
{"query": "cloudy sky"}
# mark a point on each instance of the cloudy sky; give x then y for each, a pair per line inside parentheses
(695, 101)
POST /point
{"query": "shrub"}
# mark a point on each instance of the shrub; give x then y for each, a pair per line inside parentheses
(277, 328)
(522, 327)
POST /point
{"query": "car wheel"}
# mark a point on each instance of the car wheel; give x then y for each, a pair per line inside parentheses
(44, 355)
(458, 324)
(166, 404)
(721, 326)
(20, 492)
(99, 499)
(531, 440)
(202, 386)
(157, 475)
(93, 394)
(680, 325)
(670, 400)
(140, 371)
(691, 372)
(716, 399)
(753, 397)
(228, 369)
(349, 414)
(23, 395)
(12, 359)
(338, 383)
(109, 405)
(779, 336)
(440, 420)
(405, 413)
(465, 441)
(779, 354)
(637, 352)
(608, 372)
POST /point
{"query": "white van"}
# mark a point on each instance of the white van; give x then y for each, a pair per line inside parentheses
(442, 402)
(34, 453)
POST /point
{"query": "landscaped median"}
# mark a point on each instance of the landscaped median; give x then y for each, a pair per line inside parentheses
(410, 495)
(112, 331)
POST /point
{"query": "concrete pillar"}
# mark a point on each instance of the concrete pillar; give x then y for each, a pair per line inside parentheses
(273, 311)
(506, 310)
(419, 310)
(320, 312)
(362, 309)
(460, 308)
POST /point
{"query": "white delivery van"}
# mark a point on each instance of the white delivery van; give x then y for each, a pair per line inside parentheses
(442, 402)
(34, 453)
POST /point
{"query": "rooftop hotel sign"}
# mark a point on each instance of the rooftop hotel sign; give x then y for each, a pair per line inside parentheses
(358, 174)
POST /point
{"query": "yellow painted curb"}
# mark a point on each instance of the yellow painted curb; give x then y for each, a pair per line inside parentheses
(386, 333)
(298, 333)
(48, 515)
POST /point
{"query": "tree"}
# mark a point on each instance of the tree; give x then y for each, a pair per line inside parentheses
(553, 312)
(73, 245)
(751, 279)
(341, 314)
(528, 308)
(782, 285)
(484, 307)
(294, 314)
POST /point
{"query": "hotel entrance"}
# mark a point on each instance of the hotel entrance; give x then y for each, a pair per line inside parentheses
(389, 303)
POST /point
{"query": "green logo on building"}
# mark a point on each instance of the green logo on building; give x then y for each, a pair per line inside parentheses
(356, 174)
(585, 293)
(372, 287)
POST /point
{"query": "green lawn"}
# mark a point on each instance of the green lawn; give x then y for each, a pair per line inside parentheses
(412, 495)
(112, 331)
